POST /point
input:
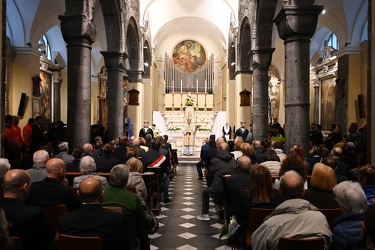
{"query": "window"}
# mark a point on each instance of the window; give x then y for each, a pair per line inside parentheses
(43, 46)
(332, 41)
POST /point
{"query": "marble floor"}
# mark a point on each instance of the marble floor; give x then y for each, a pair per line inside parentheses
(179, 229)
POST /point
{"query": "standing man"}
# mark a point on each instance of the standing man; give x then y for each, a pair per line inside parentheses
(145, 130)
(242, 131)
(249, 137)
(227, 130)
(27, 133)
(189, 137)
(38, 137)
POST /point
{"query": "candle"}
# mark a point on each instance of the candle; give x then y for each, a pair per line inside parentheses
(173, 86)
(197, 86)
(205, 86)
(181, 86)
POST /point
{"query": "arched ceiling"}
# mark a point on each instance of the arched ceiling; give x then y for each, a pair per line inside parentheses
(208, 19)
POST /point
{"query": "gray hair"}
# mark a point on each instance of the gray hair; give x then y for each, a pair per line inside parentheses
(291, 185)
(4, 167)
(350, 197)
(40, 156)
(119, 175)
(87, 165)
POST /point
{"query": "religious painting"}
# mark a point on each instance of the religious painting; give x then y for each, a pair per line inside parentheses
(36, 107)
(45, 96)
(189, 56)
(328, 102)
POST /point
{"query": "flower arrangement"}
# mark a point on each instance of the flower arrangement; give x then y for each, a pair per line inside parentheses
(204, 129)
(173, 128)
(189, 100)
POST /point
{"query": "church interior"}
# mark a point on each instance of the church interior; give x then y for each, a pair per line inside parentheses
(182, 64)
(114, 62)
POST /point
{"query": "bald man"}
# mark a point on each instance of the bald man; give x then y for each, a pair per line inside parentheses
(92, 220)
(26, 221)
(87, 149)
(51, 191)
(294, 217)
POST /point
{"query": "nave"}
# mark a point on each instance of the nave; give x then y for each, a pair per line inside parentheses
(179, 229)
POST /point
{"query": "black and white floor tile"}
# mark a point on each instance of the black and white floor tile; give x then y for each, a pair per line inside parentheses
(179, 229)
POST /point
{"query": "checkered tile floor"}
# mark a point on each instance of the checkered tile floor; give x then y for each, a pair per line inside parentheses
(179, 229)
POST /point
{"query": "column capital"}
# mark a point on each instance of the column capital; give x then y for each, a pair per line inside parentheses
(135, 75)
(78, 29)
(114, 60)
(261, 57)
(297, 21)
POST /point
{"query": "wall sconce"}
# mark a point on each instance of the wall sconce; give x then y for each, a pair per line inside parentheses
(233, 63)
(146, 64)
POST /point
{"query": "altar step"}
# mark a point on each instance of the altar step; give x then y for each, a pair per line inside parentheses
(184, 160)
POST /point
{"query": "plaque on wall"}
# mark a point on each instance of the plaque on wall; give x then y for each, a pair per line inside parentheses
(133, 97)
(245, 98)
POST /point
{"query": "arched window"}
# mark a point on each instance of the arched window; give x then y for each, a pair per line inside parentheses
(365, 33)
(332, 41)
(44, 47)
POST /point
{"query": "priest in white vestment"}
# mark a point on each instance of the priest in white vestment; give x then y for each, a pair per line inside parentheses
(189, 138)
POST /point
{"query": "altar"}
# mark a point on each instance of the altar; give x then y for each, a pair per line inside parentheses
(172, 123)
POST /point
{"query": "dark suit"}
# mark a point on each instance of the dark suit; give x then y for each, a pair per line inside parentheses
(106, 162)
(140, 151)
(93, 220)
(50, 192)
(120, 153)
(229, 132)
(143, 133)
(29, 223)
(38, 138)
(242, 132)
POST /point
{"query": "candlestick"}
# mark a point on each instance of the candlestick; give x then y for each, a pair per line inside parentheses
(197, 86)
(205, 86)
(181, 86)
(173, 86)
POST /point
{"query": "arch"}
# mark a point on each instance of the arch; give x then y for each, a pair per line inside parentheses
(263, 16)
(244, 46)
(15, 27)
(113, 22)
(146, 59)
(132, 44)
(232, 61)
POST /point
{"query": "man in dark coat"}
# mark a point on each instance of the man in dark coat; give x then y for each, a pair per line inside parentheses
(242, 131)
(92, 220)
(107, 161)
(51, 191)
(222, 164)
(145, 130)
(120, 151)
(25, 221)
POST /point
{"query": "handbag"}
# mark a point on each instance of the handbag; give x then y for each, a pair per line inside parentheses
(152, 223)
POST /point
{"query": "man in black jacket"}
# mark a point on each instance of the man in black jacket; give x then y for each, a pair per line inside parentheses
(222, 164)
(51, 191)
(25, 221)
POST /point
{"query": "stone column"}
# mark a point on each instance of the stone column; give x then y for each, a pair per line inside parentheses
(296, 24)
(316, 84)
(57, 80)
(260, 64)
(115, 64)
(79, 33)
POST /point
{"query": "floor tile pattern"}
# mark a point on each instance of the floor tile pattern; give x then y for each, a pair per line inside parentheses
(179, 229)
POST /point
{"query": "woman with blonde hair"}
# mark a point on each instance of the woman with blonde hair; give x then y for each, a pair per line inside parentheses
(248, 150)
(135, 178)
(322, 182)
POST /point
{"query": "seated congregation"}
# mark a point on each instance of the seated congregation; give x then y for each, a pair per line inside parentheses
(114, 203)
(264, 199)
(267, 196)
